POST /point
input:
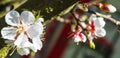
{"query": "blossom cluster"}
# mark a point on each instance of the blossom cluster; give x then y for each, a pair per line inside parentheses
(89, 28)
(86, 25)
(94, 29)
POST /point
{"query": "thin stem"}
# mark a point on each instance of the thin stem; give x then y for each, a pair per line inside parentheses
(14, 48)
(93, 2)
(78, 23)
(77, 20)
(108, 18)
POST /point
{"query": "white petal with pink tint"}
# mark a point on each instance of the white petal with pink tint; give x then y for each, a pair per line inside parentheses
(77, 39)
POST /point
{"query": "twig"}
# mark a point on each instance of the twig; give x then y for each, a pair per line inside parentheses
(108, 18)
(78, 23)
(93, 2)
(77, 20)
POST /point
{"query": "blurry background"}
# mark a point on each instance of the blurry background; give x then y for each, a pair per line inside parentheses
(57, 43)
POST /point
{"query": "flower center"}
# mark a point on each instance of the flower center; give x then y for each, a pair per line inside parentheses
(20, 29)
(92, 26)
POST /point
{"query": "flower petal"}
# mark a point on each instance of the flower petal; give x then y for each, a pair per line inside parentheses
(12, 18)
(37, 43)
(100, 32)
(84, 38)
(27, 17)
(40, 20)
(92, 18)
(99, 22)
(9, 33)
(27, 44)
(22, 42)
(20, 39)
(90, 37)
(112, 9)
(23, 51)
(77, 39)
(35, 31)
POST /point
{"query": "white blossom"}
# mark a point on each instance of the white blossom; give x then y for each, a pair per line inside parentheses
(23, 31)
(97, 24)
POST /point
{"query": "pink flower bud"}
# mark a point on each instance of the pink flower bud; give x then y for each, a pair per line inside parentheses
(107, 7)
